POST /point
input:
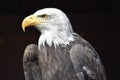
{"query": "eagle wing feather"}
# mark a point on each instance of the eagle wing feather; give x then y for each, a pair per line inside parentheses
(86, 61)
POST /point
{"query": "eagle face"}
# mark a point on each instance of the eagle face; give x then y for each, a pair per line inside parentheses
(46, 19)
(53, 24)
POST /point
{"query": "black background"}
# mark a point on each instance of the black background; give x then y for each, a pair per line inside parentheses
(96, 20)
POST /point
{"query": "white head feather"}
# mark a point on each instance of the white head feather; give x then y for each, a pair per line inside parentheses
(56, 30)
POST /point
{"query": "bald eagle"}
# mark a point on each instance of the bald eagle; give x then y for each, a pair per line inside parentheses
(61, 54)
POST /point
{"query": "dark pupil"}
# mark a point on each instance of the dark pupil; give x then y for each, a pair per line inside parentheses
(43, 16)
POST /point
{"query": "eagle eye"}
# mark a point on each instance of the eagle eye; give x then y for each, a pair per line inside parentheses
(43, 16)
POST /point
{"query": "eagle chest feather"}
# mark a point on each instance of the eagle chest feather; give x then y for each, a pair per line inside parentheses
(56, 63)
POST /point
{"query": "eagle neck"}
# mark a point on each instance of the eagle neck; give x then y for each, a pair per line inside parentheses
(55, 38)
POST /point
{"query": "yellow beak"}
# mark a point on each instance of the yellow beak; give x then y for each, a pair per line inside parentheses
(30, 21)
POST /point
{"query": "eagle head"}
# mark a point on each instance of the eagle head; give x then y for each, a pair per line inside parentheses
(53, 24)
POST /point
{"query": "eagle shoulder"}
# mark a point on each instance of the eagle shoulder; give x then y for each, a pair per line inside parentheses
(86, 61)
(31, 63)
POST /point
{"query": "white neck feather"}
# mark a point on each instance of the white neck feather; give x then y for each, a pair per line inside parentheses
(55, 38)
